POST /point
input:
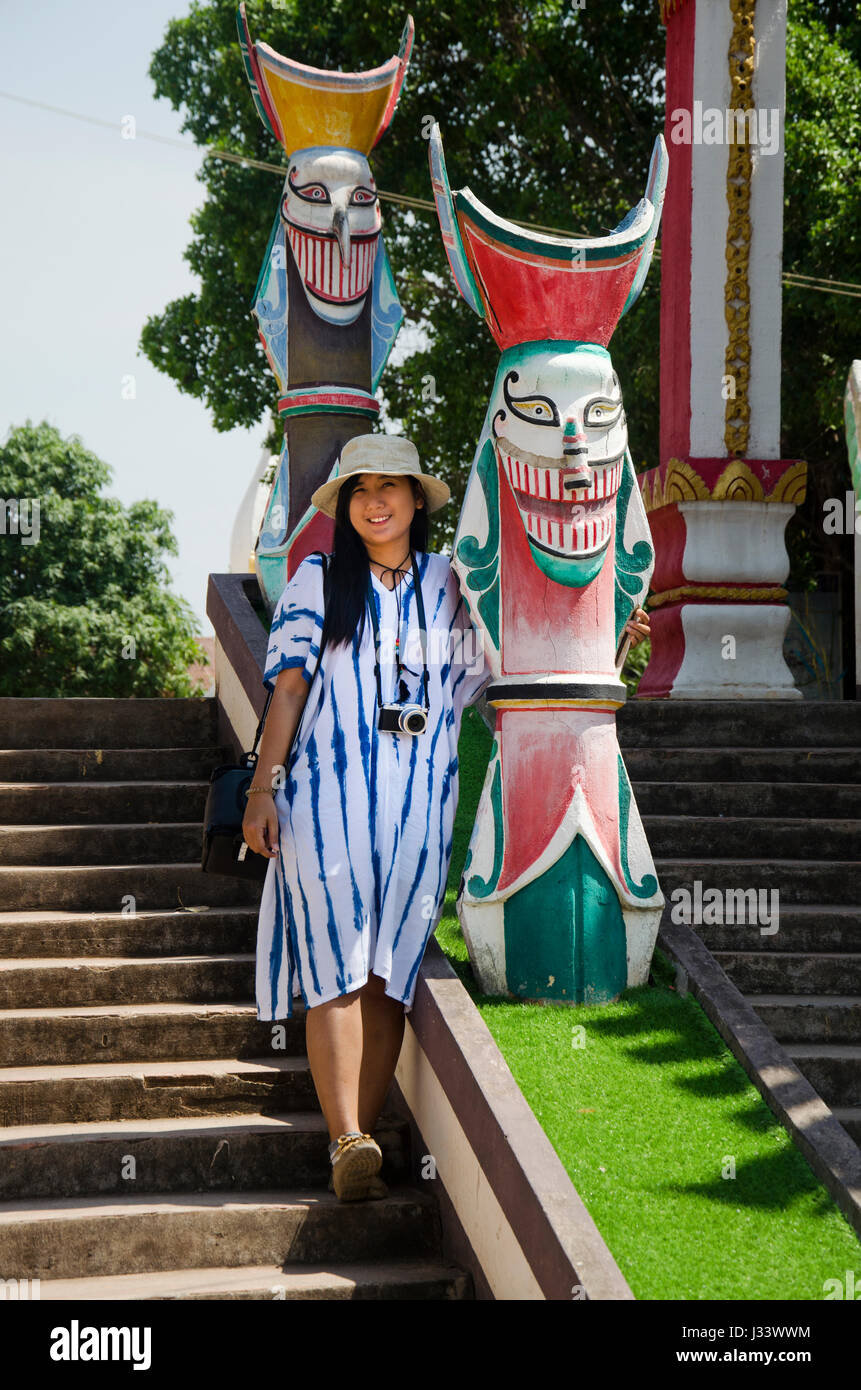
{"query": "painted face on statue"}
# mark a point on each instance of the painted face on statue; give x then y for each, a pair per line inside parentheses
(332, 216)
(560, 433)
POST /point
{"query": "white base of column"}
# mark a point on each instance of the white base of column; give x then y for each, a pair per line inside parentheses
(734, 651)
(483, 927)
(642, 925)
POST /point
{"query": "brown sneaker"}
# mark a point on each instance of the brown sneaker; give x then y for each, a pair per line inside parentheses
(355, 1164)
(376, 1188)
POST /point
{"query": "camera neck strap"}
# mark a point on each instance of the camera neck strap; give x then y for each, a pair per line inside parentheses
(420, 608)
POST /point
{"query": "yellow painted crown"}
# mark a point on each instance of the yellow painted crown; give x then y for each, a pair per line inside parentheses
(304, 106)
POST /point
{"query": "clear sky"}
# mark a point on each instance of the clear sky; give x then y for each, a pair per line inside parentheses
(91, 238)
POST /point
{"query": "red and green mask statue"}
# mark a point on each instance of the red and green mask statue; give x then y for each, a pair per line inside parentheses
(559, 898)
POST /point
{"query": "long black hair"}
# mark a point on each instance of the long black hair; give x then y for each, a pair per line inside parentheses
(347, 580)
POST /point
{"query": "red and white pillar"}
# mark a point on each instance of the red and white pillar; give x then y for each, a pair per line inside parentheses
(721, 497)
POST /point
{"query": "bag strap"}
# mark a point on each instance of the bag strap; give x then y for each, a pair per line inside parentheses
(257, 737)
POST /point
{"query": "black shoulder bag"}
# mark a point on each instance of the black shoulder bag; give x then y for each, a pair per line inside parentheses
(224, 848)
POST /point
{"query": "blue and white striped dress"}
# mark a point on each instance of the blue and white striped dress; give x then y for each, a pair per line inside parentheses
(366, 816)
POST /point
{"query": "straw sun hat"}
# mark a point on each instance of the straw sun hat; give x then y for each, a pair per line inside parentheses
(379, 453)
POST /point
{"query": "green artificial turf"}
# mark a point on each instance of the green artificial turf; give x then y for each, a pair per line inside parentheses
(646, 1106)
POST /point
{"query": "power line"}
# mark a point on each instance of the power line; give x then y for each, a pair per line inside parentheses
(796, 282)
(791, 279)
(214, 152)
(850, 284)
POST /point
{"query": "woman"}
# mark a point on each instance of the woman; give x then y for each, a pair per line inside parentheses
(360, 822)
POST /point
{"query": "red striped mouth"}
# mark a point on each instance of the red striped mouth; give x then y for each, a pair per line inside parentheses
(571, 521)
(318, 258)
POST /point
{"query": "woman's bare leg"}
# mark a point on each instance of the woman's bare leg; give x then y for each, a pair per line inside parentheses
(353, 1044)
(382, 1036)
(333, 1035)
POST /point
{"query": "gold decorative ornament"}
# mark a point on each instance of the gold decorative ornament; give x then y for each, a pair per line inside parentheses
(791, 486)
(682, 483)
(742, 49)
(738, 483)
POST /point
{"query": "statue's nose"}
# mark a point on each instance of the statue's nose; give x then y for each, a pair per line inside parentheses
(341, 228)
(574, 439)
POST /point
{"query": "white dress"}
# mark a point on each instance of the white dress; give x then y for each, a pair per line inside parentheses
(366, 816)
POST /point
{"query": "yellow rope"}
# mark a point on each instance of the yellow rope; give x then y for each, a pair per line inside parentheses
(715, 591)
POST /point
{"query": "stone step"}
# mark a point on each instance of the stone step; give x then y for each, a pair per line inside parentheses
(762, 972)
(837, 882)
(731, 836)
(144, 1032)
(215, 930)
(808, 928)
(849, 1116)
(24, 803)
(73, 982)
(699, 764)
(101, 803)
(94, 765)
(383, 1279)
(90, 1237)
(234, 929)
(108, 723)
(217, 1153)
(740, 723)
(814, 1018)
(135, 1090)
(137, 886)
(73, 845)
(786, 801)
(833, 1069)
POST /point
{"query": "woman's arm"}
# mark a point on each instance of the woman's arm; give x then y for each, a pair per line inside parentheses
(260, 824)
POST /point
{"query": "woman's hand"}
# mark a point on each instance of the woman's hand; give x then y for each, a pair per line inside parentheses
(637, 626)
(260, 825)
(260, 828)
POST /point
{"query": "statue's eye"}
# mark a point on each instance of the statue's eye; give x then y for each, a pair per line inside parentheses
(363, 197)
(312, 192)
(538, 410)
(602, 413)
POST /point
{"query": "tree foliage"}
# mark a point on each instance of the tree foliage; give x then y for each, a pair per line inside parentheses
(85, 601)
(822, 237)
(548, 113)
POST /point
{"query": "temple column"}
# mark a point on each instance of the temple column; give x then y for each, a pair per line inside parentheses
(720, 499)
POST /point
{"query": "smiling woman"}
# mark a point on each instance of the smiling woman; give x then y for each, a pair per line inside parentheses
(358, 824)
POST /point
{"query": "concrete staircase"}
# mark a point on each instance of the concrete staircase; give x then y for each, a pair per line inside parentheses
(768, 795)
(159, 1142)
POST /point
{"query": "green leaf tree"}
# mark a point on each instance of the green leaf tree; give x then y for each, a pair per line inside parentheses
(822, 237)
(85, 601)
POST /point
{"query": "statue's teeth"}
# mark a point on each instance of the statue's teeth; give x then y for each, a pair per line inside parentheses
(547, 482)
(570, 538)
